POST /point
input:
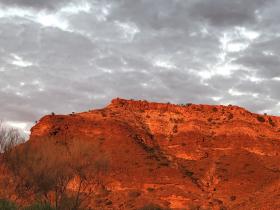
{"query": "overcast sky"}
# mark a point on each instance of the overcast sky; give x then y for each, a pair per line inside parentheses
(65, 55)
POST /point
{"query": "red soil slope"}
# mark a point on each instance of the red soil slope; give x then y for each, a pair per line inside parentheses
(180, 156)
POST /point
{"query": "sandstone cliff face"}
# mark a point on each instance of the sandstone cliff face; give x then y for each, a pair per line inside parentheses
(180, 156)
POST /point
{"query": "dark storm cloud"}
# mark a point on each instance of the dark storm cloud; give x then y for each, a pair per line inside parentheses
(65, 56)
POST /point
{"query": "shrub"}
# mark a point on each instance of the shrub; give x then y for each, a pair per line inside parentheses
(150, 189)
(260, 118)
(189, 173)
(51, 165)
(175, 129)
(108, 203)
(7, 205)
(39, 206)
(67, 202)
(271, 122)
(134, 194)
(151, 207)
(186, 172)
(194, 207)
(164, 163)
(230, 116)
(233, 198)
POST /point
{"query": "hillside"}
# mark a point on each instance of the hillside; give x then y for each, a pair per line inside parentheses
(178, 156)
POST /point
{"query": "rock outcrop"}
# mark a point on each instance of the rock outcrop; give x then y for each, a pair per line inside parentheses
(179, 156)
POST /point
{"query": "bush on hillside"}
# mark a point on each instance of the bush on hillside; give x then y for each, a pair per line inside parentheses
(271, 122)
(260, 118)
(152, 207)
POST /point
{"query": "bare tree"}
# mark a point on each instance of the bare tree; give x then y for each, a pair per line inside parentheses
(40, 167)
(9, 137)
(89, 166)
(46, 167)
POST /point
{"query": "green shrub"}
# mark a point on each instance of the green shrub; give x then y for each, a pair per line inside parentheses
(39, 206)
(7, 205)
(67, 203)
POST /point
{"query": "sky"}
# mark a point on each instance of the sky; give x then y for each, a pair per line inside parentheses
(68, 56)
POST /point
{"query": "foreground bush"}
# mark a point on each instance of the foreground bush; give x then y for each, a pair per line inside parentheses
(47, 166)
(7, 205)
(39, 206)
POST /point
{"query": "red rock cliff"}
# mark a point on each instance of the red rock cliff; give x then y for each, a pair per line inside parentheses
(181, 156)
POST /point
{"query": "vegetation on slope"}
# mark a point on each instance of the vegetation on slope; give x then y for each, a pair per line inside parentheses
(58, 174)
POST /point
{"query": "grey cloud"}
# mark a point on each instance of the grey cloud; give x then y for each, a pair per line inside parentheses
(156, 14)
(262, 56)
(228, 13)
(266, 66)
(273, 88)
(99, 56)
(253, 87)
(257, 105)
(36, 4)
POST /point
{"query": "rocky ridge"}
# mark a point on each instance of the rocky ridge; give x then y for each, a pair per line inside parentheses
(179, 156)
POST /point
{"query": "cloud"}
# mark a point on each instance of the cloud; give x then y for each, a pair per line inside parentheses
(64, 56)
(35, 4)
(223, 13)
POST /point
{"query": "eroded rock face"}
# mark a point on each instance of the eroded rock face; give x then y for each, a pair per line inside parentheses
(180, 156)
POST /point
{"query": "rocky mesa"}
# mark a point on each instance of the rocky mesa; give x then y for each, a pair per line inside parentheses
(178, 156)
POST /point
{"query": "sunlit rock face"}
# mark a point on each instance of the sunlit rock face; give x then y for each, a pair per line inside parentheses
(179, 156)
